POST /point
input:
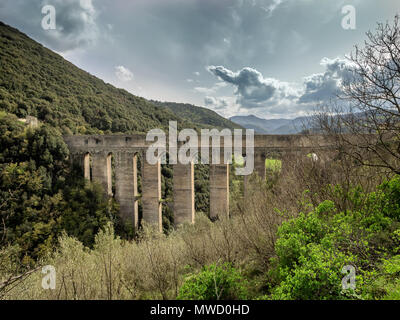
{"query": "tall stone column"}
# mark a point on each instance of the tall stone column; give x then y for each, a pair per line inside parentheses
(259, 164)
(151, 194)
(183, 193)
(219, 190)
(289, 160)
(101, 170)
(86, 166)
(246, 178)
(126, 190)
(246, 185)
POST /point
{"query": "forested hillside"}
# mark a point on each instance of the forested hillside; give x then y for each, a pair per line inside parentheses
(197, 114)
(38, 82)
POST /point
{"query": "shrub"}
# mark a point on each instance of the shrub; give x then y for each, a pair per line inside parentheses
(312, 248)
(386, 283)
(214, 283)
(41, 195)
(309, 263)
(316, 276)
(391, 189)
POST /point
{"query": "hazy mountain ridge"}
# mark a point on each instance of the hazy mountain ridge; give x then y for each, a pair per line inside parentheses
(273, 126)
(198, 114)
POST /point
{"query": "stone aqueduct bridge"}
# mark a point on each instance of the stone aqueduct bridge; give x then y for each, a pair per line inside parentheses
(96, 151)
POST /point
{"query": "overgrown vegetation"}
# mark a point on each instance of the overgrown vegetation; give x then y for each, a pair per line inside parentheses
(290, 237)
(214, 283)
(40, 194)
(269, 248)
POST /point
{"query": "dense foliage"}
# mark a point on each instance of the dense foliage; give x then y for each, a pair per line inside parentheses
(195, 114)
(40, 194)
(214, 282)
(220, 261)
(313, 248)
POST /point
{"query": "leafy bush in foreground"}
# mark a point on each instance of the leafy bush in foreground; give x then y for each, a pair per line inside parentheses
(214, 283)
(313, 248)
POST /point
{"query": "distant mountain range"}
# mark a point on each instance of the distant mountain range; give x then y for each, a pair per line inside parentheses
(199, 115)
(273, 126)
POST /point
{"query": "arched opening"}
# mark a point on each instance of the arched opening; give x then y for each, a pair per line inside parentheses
(167, 192)
(273, 167)
(236, 182)
(202, 187)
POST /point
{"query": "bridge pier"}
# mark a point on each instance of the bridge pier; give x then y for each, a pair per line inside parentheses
(246, 185)
(183, 193)
(86, 166)
(101, 170)
(219, 190)
(259, 168)
(151, 194)
(126, 189)
(259, 165)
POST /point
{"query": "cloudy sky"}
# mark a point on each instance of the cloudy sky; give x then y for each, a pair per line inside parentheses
(270, 58)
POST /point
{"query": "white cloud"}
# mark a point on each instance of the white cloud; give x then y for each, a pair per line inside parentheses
(271, 7)
(209, 101)
(87, 5)
(76, 24)
(271, 97)
(123, 74)
(323, 86)
(211, 90)
(225, 106)
(204, 90)
(252, 89)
